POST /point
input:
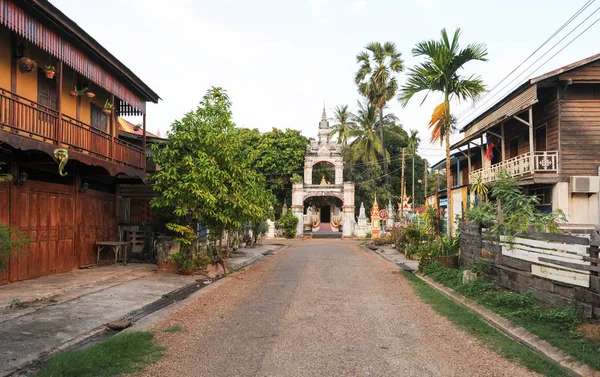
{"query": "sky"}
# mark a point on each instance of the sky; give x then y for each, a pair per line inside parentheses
(282, 61)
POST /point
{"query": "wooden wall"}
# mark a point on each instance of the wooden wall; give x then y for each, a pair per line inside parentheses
(63, 223)
(579, 137)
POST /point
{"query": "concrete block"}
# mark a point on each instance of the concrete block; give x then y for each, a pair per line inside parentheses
(595, 283)
(468, 276)
(563, 290)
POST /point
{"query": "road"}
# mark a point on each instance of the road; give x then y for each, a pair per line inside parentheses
(319, 308)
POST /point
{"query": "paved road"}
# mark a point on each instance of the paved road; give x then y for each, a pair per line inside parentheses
(319, 308)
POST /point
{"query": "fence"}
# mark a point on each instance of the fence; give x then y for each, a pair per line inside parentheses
(556, 268)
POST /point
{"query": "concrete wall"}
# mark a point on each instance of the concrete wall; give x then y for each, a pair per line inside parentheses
(579, 208)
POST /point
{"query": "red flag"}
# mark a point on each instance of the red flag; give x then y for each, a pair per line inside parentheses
(489, 153)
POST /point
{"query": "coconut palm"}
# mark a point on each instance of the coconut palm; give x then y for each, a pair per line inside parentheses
(344, 124)
(413, 145)
(440, 72)
(367, 145)
(377, 82)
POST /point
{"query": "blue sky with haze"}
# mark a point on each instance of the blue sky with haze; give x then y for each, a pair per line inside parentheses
(281, 60)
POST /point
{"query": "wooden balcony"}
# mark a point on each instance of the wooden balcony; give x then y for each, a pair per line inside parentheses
(520, 166)
(26, 118)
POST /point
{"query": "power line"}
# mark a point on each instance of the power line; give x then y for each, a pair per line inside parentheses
(573, 17)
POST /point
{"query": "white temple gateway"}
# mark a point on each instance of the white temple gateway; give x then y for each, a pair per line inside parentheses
(327, 217)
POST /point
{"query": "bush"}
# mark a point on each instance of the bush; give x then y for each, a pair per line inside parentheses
(288, 222)
(368, 235)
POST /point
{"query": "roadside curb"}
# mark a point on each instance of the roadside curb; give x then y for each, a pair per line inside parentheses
(503, 325)
(161, 305)
(516, 332)
(402, 266)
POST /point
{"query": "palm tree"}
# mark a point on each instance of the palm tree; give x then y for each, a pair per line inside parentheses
(344, 124)
(444, 59)
(413, 145)
(377, 82)
(367, 145)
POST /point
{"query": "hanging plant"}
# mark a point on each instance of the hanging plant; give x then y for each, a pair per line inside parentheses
(108, 107)
(74, 93)
(26, 65)
(90, 94)
(50, 71)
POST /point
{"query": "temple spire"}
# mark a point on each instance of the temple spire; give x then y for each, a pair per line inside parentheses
(324, 116)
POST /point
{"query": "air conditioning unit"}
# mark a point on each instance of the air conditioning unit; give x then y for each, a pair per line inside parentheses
(585, 184)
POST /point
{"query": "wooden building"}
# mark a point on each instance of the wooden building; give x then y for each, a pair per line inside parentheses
(65, 210)
(545, 133)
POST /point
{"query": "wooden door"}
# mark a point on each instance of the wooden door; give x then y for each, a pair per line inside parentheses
(44, 213)
(4, 217)
(99, 223)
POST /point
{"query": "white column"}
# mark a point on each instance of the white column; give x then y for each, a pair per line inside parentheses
(308, 175)
(339, 175)
(298, 206)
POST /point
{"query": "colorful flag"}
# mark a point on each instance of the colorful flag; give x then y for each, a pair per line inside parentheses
(489, 153)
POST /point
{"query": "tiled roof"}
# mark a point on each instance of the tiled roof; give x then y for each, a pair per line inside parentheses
(129, 127)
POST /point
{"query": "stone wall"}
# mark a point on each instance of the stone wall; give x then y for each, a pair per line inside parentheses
(516, 273)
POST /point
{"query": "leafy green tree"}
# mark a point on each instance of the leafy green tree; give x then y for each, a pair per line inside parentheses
(344, 124)
(288, 223)
(440, 72)
(368, 145)
(277, 155)
(203, 174)
(12, 241)
(376, 80)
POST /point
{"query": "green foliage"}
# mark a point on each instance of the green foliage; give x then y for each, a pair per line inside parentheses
(472, 323)
(277, 155)
(119, 355)
(288, 222)
(259, 229)
(295, 178)
(12, 241)
(204, 173)
(175, 328)
(368, 235)
(479, 188)
(17, 304)
(518, 211)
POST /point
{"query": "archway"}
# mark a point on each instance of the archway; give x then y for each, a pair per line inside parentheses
(323, 214)
(323, 170)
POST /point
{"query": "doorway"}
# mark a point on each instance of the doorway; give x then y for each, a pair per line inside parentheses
(326, 214)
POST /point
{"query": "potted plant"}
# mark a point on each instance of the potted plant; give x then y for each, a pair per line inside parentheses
(49, 71)
(26, 65)
(108, 108)
(90, 94)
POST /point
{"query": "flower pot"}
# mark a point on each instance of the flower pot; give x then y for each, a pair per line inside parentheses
(74, 94)
(90, 94)
(49, 73)
(448, 261)
(106, 111)
(26, 65)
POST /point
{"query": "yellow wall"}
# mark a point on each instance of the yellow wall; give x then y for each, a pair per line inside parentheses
(27, 82)
(4, 59)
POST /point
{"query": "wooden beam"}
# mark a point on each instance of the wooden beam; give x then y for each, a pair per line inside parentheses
(112, 128)
(576, 266)
(59, 84)
(144, 139)
(494, 134)
(531, 139)
(521, 120)
(503, 142)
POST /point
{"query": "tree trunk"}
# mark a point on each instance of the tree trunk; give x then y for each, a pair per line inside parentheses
(385, 165)
(448, 126)
(413, 181)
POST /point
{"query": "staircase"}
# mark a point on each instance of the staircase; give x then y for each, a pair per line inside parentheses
(325, 231)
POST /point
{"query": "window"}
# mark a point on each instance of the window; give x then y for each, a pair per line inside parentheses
(46, 96)
(514, 147)
(98, 119)
(540, 138)
(544, 195)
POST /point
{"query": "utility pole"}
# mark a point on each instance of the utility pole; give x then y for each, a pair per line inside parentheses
(413, 182)
(425, 179)
(402, 193)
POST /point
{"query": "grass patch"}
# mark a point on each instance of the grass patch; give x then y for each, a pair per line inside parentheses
(118, 355)
(473, 324)
(175, 328)
(555, 324)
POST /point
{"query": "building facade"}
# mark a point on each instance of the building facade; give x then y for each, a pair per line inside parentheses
(59, 137)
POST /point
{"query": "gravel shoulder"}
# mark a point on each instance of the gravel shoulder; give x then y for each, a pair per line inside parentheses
(319, 308)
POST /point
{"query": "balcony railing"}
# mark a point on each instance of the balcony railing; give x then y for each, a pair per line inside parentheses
(519, 166)
(30, 119)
